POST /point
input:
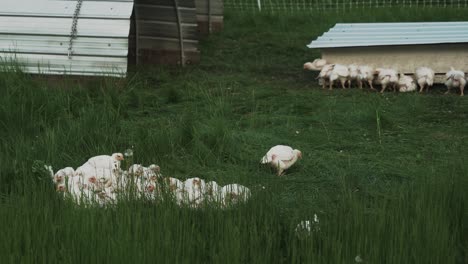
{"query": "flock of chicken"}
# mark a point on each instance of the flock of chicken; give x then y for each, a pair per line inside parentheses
(386, 77)
(101, 181)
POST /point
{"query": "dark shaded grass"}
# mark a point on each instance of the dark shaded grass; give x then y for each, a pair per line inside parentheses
(385, 174)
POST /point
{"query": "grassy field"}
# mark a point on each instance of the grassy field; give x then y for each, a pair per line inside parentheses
(386, 174)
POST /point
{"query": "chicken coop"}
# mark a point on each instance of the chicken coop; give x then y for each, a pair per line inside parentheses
(103, 37)
(401, 46)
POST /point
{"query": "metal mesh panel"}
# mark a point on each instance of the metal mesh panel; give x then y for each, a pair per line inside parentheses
(309, 5)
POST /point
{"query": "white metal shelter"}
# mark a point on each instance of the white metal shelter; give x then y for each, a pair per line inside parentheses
(39, 37)
(402, 46)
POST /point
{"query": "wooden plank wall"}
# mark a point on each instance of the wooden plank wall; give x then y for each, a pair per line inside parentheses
(209, 12)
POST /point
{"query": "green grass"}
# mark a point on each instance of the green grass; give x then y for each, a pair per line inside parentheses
(386, 174)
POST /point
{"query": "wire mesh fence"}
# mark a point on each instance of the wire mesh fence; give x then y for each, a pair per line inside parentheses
(309, 5)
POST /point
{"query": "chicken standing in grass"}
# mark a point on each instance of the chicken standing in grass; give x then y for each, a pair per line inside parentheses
(324, 75)
(281, 158)
(387, 78)
(425, 78)
(339, 72)
(232, 194)
(406, 84)
(365, 75)
(353, 74)
(455, 79)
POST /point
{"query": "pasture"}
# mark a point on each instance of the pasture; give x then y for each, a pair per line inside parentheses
(385, 174)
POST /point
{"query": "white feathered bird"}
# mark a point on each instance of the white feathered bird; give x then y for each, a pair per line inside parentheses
(136, 170)
(406, 84)
(195, 189)
(281, 157)
(232, 194)
(365, 75)
(425, 78)
(102, 166)
(316, 65)
(105, 161)
(324, 74)
(339, 72)
(152, 172)
(455, 79)
(61, 187)
(213, 191)
(63, 174)
(387, 77)
(176, 189)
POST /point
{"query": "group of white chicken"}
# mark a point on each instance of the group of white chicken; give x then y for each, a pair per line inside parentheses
(386, 77)
(101, 181)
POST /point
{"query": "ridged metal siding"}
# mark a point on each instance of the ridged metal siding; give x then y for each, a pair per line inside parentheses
(35, 34)
(386, 34)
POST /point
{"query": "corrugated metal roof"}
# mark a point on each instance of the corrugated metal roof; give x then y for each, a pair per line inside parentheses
(382, 34)
(37, 37)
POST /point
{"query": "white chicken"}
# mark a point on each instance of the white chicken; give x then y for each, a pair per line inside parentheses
(152, 172)
(99, 169)
(96, 178)
(455, 79)
(104, 161)
(106, 196)
(62, 174)
(213, 192)
(366, 75)
(232, 194)
(425, 78)
(387, 77)
(316, 65)
(195, 189)
(81, 190)
(74, 184)
(406, 83)
(61, 187)
(173, 183)
(281, 158)
(339, 72)
(119, 181)
(136, 170)
(176, 189)
(146, 188)
(353, 74)
(324, 75)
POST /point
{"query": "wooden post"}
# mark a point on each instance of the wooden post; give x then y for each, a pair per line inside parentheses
(137, 36)
(209, 16)
(181, 34)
